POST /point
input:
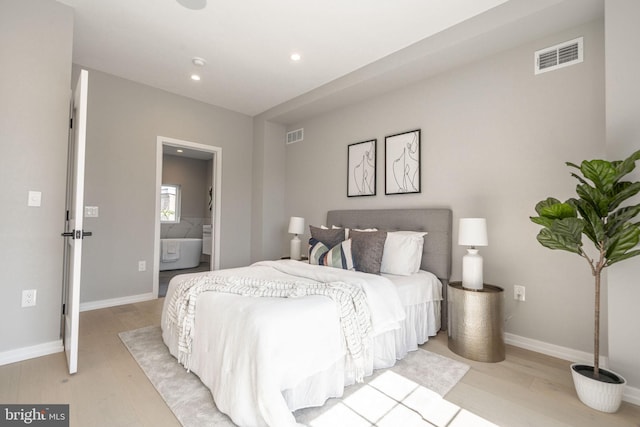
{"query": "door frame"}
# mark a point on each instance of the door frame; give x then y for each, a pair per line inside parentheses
(216, 185)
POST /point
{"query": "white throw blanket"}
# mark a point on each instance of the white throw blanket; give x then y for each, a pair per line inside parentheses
(350, 301)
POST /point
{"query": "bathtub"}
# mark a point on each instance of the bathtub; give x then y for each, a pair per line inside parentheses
(177, 254)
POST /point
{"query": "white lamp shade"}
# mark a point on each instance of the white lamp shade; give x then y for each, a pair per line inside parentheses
(296, 225)
(473, 232)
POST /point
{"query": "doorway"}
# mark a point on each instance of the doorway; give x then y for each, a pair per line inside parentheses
(190, 150)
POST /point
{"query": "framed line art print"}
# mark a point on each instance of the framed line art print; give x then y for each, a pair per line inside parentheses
(402, 163)
(361, 168)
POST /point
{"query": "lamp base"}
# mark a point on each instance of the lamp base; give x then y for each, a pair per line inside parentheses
(294, 248)
(472, 270)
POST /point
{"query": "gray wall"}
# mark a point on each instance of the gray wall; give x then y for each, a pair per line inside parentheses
(269, 220)
(494, 141)
(194, 178)
(191, 175)
(623, 138)
(125, 119)
(34, 108)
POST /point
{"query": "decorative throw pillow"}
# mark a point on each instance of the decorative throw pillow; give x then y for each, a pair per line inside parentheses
(338, 256)
(346, 230)
(402, 252)
(367, 248)
(329, 237)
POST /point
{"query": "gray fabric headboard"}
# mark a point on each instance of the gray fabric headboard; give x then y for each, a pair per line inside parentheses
(436, 255)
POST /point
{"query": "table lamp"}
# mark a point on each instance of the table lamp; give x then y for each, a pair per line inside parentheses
(472, 233)
(296, 226)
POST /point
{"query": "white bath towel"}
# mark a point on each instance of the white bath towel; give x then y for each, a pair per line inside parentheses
(170, 250)
(173, 247)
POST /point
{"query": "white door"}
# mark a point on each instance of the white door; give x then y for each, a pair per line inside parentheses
(73, 228)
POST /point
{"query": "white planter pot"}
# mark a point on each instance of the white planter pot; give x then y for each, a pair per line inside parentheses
(600, 395)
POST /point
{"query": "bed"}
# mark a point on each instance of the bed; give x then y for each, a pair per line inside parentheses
(263, 358)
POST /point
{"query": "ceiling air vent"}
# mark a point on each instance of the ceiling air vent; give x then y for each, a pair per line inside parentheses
(295, 136)
(558, 56)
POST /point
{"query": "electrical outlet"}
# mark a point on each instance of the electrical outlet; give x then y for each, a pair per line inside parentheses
(90, 211)
(518, 293)
(142, 266)
(29, 298)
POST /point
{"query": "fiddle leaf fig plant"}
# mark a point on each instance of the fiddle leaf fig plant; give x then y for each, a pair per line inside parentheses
(597, 213)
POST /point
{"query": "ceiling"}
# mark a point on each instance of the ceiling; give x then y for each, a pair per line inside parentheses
(247, 43)
(182, 151)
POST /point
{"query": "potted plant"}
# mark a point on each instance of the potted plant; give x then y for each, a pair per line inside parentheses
(599, 213)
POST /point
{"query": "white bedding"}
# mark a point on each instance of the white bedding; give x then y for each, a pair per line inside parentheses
(420, 295)
(264, 357)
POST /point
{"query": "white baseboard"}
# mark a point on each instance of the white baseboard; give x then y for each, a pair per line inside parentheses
(630, 394)
(105, 303)
(24, 353)
(565, 353)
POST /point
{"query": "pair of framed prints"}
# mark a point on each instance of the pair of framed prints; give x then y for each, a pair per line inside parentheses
(401, 165)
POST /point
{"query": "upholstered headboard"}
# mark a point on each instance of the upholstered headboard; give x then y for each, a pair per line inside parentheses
(436, 255)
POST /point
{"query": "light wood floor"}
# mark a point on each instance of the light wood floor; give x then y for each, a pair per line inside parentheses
(527, 389)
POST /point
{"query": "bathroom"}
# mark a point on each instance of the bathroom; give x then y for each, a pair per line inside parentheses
(186, 214)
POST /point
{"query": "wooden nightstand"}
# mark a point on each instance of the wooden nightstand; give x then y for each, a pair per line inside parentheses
(476, 322)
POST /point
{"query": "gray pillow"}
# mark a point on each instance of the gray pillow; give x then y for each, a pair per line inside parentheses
(367, 248)
(329, 237)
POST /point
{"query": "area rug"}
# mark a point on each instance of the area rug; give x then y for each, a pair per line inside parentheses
(192, 403)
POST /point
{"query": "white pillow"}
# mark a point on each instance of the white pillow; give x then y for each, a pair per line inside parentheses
(346, 230)
(402, 252)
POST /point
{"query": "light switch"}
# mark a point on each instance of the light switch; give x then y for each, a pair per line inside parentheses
(35, 198)
(90, 211)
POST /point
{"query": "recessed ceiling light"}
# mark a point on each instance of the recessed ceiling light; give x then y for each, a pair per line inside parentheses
(295, 57)
(199, 62)
(179, 150)
(195, 77)
(193, 4)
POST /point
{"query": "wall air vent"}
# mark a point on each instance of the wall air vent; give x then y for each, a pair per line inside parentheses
(295, 136)
(559, 56)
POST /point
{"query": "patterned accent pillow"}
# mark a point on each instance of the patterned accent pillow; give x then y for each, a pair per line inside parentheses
(329, 237)
(338, 256)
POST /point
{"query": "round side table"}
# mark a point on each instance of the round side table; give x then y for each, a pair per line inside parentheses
(476, 322)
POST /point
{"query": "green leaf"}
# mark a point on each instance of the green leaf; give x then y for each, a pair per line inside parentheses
(553, 241)
(623, 257)
(595, 197)
(573, 165)
(549, 201)
(627, 165)
(579, 178)
(543, 221)
(618, 218)
(625, 239)
(554, 209)
(623, 191)
(601, 172)
(564, 234)
(594, 226)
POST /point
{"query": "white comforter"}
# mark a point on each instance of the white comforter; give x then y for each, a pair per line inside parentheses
(249, 350)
